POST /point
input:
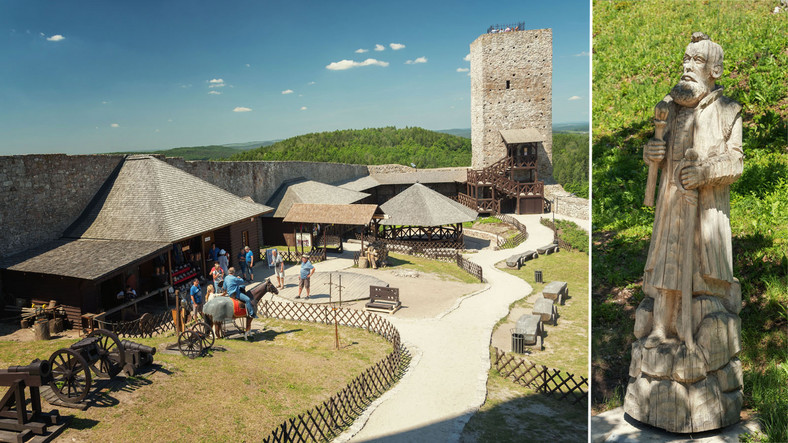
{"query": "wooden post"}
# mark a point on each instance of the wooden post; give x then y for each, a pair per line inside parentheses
(336, 330)
(41, 329)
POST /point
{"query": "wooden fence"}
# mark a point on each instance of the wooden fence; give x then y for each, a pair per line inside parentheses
(562, 385)
(563, 244)
(517, 239)
(329, 418)
(470, 267)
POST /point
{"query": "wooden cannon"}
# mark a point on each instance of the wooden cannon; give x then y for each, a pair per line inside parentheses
(16, 422)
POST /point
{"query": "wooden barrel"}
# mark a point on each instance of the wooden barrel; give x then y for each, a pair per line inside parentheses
(41, 329)
(56, 325)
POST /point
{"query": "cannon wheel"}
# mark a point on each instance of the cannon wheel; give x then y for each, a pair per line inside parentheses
(205, 332)
(112, 357)
(70, 375)
(189, 343)
(240, 324)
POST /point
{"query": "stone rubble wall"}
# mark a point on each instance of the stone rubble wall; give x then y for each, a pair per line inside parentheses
(566, 205)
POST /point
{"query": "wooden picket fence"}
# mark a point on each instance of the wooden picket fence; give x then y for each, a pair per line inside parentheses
(562, 385)
(329, 418)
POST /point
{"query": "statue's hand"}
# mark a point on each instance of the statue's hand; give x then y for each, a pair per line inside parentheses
(691, 177)
(654, 151)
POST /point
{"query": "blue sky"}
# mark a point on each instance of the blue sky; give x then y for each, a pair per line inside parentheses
(101, 76)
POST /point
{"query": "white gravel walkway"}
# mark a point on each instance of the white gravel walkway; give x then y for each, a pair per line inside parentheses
(446, 381)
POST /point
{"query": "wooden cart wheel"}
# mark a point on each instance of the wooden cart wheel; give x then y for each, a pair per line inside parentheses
(189, 343)
(240, 324)
(70, 375)
(205, 332)
(112, 357)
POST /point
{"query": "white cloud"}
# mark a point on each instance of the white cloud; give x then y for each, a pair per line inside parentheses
(380, 48)
(463, 69)
(361, 51)
(214, 93)
(582, 54)
(311, 83)
(41, 34)
(396, 46)
(169, 120)
(155, 130)
(303, 108)
(114, 125)
(55, 38)
(241, 109)
(248, 65)
(287, 91)
(418, 60)
(347, 64)
(575, 97)
(104, 102)
(216, 83)
(467, 57)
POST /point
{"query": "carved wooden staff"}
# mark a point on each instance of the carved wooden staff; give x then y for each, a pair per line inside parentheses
(690, 196)
(660, 121)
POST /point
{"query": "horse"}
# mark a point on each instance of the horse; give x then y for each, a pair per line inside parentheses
(219, 308)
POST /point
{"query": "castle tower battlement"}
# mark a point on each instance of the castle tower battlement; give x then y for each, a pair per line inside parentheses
(511, 88)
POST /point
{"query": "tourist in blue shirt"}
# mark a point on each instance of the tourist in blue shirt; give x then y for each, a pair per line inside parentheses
(303, 278)
(196, 295)
(233, 286)
(213, 253)
(249, 262)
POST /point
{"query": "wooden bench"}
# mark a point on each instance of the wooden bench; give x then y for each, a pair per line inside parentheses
(556, 291)
(528, 329)
(545, 308)
(518, 260)
(383, 299)
(548, 249)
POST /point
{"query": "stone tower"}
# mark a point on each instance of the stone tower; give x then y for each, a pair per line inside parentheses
(511, 88)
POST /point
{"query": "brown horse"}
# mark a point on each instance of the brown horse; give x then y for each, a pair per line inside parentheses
(221, 308)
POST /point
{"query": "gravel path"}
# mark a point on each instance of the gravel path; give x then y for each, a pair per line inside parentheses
(446, 381)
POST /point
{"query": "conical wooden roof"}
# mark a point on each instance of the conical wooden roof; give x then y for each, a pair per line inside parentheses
(421, 206)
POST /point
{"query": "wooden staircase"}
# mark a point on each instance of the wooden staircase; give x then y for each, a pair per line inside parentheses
(487, 188)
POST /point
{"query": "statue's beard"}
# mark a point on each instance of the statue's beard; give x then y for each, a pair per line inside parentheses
(689, 93)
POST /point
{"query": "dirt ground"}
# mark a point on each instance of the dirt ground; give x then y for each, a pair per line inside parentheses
(423, 296)
(11, 332)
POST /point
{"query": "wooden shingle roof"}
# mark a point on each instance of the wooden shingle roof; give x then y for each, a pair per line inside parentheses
(438, 175)
(150, 200)
(515, 136)
(87, 259)
(421, 206)
(313, 192)
(358, 215)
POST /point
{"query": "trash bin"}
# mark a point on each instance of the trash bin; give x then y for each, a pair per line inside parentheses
(518, 341)
(538, 276)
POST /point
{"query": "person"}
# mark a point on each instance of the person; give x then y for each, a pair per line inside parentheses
(242, 263)
(217, 274)
(307, 270)
(279, 268)
(224, 261)
(213, 254)
(121, 295)
(209, 292)
(233, 286)
(131, 294)
(195, 292)
(701, 153)
(249, 256)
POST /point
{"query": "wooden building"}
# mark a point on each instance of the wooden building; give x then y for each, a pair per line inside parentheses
(149, 226)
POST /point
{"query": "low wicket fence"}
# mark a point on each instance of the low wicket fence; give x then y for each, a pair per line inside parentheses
(563, 244)
(517, 239)
(562, 385)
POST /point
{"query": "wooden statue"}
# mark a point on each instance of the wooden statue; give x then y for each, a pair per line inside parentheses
(685, 375)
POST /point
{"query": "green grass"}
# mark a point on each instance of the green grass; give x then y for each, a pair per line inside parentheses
(566, 345)
(513, 413)
(482, 220)
(231, 395)
(638, 48)
(446, 270)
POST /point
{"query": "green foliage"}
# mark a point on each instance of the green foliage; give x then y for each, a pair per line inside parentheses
(638, 48)
(570, 162)
(210, 152)
(373, 146)
(572, 234)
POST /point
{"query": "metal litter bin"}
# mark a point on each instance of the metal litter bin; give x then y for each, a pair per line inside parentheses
(538, 276)
(518, 341)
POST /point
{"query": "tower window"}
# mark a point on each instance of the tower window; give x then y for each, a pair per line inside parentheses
(507, 84)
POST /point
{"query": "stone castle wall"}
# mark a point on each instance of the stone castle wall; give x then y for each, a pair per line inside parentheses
(565, 204)
(42, 194)
(525, 60)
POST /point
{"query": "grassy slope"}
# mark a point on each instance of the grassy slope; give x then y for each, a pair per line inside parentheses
(637, 59)
(231, 395)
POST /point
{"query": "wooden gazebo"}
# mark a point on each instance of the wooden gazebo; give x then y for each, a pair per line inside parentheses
(422, 217)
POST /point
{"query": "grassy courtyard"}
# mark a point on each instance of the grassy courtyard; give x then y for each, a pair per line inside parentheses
(236, 394)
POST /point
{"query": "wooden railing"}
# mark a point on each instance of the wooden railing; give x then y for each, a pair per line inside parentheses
(470, 267)
(563, 244)
(327, 420)
(490, 205)
(562, 385)
(497, 175)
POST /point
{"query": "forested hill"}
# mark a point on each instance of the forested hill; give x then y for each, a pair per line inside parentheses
(372, 146)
